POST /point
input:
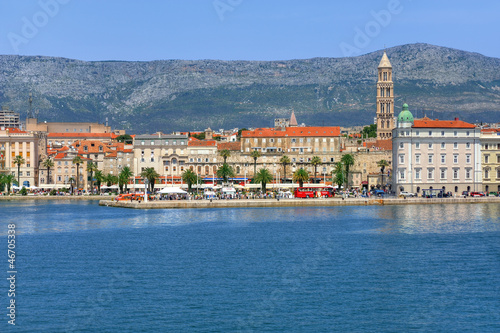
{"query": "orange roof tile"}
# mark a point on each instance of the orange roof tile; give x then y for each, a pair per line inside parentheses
(293, 132)
(93, 147)
(380, 145)
(235, 146)
(429, 123)
(14, 130)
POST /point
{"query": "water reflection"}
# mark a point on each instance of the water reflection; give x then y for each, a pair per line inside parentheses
(37, 217)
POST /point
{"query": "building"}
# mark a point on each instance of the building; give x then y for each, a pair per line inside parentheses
(166, 153)
(58, 140)
(64, 173)
(385, 100)
(31, 146)
(9, 118)
(32, 124)
(490, 151)
(435, 154)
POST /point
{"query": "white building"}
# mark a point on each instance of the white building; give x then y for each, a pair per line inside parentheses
(435, 154)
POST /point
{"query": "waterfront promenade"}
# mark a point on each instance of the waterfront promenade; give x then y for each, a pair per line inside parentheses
(246, 203)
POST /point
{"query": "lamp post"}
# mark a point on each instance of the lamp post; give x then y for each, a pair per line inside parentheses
(146, 182)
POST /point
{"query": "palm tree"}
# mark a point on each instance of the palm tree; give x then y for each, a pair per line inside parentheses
(99, 178)
(77, 160)
(190, 178)
(111, 179)
(255, 155)
(284, 160)
(301, 176)
(18, 160)
(382, 164)
(315, 161)
(91, 168)
(7, 180)
(348, 161)
(225, 153)
(338, 174)
(224, 172)
(48, 163)
(151, 175)
(71, 181)
(263, 177)
(125, 175)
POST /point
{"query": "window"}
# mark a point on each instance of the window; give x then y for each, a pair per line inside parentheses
(467, 173)
(294, 140)
(301, 140)
(417, 159)
(417, 133)
(401, 174)
(28, 173)
(263, 140)
(417, 145)
(498, 173)
(401, 145)
(443, 159)
(431, 158)
(152, 143)
(247, 140)
(467, 133)
(455, 145)
(271, 140)
(467, 158)
(486, 146)
(455, 173)
(430, 145)
(443, 174)
(455, 133)
(332, 160)
(486, 173)
(442, 133)
(443, 145)
(142, 143)
(279, 140)
(417, 174)
(430, 173)
(498, 158)
(401, 159)
(467, 145)
(430, 133)
(486, 158)
(455, 159)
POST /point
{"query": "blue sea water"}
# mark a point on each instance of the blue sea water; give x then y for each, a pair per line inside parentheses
(85, 268)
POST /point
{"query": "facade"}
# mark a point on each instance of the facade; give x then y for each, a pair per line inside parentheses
(30, 145)
(166, 153)
(9, 118)
(385, 100)
(435, 154)
(64, 172)
(58, 140)
(32, 124)
(490, 151)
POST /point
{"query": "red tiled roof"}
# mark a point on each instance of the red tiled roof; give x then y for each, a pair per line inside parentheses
(60, 155)
(429, 123)
(202, 143)
(14, 130)
(293, 132)
(235, 146)
(91, 149)
(380, 145)
(490, 130)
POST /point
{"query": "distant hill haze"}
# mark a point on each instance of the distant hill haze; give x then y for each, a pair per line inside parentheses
(172, 95)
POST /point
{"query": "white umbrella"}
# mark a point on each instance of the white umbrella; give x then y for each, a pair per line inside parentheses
(172, 190)
(114, 187)
(103, 187)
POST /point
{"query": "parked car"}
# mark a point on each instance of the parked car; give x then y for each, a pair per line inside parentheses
(407, 194)
(476, 194)
(493, 194)
(465, 194)
(378, 193)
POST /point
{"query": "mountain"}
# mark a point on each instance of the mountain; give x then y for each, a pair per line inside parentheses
(171, 95)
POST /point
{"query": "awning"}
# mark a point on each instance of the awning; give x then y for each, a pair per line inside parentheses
(172, 190)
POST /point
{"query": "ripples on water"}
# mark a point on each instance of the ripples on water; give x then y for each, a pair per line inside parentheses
(314, 269)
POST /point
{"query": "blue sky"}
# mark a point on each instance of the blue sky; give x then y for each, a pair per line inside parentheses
(241, 29)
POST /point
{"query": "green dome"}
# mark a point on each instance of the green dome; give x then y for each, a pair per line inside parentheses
(405, 115)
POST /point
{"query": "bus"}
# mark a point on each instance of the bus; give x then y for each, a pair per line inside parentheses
(314, 192)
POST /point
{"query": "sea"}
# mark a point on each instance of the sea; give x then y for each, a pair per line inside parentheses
(85, 268)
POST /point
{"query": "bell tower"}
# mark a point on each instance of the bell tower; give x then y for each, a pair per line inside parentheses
(385, 100)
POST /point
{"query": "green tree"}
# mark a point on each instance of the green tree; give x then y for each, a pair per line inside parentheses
(190, 178)
(263, 177)
(125, 138)
(99, 178)
(284, 160)
(19, 160)
(110, 179)
(225, 153)
(8, 180)
(151, 175)
(225, 172)
(71, 182)
(91, 168)
(239, 132)
(370, 131)
(338, 174)
(348, 161)
(315, 161)
(382, 164)
(77, 160)
(48, 163)
(124, 177)
(301, 175)
(255, 155)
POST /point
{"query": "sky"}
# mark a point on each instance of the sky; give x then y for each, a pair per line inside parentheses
(241, 29)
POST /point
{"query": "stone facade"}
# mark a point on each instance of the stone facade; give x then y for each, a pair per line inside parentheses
(490, 151)
(385, 100)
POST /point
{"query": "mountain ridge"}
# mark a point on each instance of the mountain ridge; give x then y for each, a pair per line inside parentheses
(193, 94)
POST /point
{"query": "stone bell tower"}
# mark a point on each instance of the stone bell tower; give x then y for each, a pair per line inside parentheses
(385, 100)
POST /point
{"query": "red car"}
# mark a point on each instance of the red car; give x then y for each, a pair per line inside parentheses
(476, 194)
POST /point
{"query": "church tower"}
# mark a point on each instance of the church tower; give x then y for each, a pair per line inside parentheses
(385, 100)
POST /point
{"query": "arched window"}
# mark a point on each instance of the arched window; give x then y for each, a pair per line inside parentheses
(207, 170)
(388, 126)
(456, 189)
(214, 169)
(468, 188)
(418, 189)
(199, 169)
(191, 168)
(238, 169)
